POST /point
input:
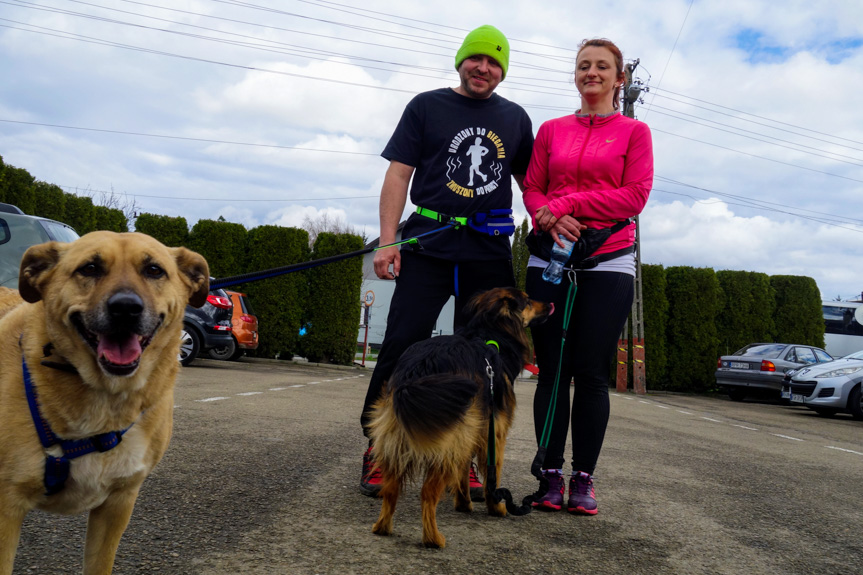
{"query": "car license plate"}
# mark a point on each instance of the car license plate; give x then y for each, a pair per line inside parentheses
(797, 398)
(738, 365)
(786, 394)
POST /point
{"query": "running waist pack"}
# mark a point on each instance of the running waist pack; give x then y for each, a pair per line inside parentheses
(493, 222)
(540, 244)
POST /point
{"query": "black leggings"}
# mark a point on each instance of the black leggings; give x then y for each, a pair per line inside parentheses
(422, 288)
(602, 304)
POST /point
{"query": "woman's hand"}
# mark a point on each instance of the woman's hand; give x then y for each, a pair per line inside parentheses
(568, 227)
(544, 219)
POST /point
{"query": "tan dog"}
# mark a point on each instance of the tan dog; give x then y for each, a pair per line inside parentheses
(106, 310)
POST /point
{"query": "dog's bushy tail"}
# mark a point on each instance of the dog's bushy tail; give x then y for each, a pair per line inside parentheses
(430, 405)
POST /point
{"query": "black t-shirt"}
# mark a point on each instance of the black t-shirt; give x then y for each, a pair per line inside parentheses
(464, 151)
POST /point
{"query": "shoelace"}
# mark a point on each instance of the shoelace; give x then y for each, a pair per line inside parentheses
(583, 483)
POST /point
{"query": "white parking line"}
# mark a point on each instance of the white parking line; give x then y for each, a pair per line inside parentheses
(299, 385)
(744, 427)
(684, 412)
(842, 449)
(251, 393)
(314, 382)
(277, 389)
(662, 406)
(786, 437)
(711, 419)
(211, 399)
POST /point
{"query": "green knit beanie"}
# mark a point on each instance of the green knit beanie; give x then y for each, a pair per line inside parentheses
(486, 40)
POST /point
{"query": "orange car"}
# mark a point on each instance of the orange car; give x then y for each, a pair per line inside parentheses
(245, 331)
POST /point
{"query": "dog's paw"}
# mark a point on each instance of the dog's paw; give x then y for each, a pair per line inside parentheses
(497, 509)
(382, 528)
(463, 506)
(434, 540)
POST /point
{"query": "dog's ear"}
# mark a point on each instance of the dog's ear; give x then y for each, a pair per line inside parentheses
(36, 267)
(195, 273)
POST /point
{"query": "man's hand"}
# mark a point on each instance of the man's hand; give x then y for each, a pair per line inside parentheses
(384, 258)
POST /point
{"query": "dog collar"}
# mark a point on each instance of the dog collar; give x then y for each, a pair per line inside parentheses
(57, 468)
(494, 343)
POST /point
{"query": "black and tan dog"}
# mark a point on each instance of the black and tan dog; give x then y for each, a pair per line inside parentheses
(87, 369)
(434, 415)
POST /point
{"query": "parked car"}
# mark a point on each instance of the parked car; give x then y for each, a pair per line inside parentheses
(828, 388)
(245, 332)
(206, 327)
(761, 367)
(18, 232)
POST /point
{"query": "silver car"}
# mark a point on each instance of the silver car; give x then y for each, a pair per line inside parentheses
(760, 367)
(830, 387)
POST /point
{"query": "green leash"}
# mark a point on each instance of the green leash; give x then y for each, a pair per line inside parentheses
(567, 315)
(536, 466)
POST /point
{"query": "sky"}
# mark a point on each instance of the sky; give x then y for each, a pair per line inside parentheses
(274, 111)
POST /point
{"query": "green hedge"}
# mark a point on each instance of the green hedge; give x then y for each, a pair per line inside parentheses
(520, 255)
(16, 188)
(696, 299)
(799, 318)
(223, 244)
(170, 231)
(279, 302)
(691, 315)
(333, 307)
(653, 291)
(747, 316)
(49, 201)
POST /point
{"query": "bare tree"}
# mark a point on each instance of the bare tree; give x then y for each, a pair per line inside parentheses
(114, 200)
(325, 222)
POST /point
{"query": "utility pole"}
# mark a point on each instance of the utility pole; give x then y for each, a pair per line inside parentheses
(631, 92)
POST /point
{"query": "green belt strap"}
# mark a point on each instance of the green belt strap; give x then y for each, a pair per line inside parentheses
(443, 218)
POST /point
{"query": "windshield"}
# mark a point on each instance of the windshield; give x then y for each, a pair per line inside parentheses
(58, 231)
(855, 355)
(762, 349)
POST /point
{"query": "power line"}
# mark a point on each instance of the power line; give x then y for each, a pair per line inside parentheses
(856, 162)
(756, 116)
(760, 123)
(667, 62)
(206, 140)
(147, 50)
(764, 204)
(757, 156)
(231, 199)
(818, 220)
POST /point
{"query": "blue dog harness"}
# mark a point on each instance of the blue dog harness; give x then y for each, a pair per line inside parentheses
(57, 468)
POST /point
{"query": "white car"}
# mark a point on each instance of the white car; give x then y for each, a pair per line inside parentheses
(828, 388)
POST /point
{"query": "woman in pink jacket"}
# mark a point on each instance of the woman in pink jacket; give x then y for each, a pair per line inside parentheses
(589, 171)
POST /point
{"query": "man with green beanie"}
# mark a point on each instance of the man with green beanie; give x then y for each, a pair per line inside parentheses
(444, 139)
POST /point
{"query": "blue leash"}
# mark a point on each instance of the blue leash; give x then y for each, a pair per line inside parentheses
(275, 272)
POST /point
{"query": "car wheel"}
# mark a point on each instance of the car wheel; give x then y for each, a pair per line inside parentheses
(238, 354)
(190, 345)
(855, 402)
(825, 411)
(736, 394)
(224, 352)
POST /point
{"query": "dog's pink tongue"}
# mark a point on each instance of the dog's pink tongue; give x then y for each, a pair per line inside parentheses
(119, 352)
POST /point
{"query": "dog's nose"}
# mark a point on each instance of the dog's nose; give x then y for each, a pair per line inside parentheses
(125, 306)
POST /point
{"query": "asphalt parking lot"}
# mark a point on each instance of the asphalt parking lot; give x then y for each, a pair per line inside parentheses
(261, 477)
